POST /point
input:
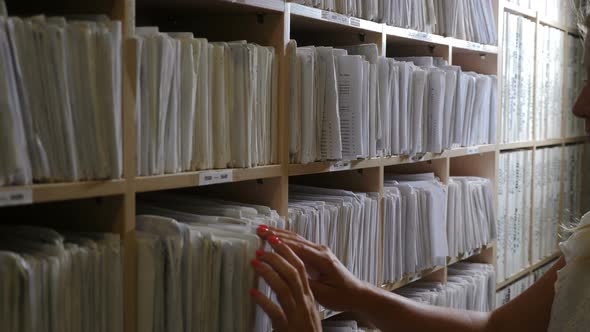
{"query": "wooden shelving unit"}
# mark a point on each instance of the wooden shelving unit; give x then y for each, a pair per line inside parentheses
(273, 23)
(565, 138)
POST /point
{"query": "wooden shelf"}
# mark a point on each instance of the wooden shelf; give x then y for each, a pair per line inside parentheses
(519, 10)
(194, 179)
(549, 142)
(579, 139)
(551, 23)
(412, 37)
(516, 145)
(317, 16)
(226, 7)
(526, 271)
(472, 46)
(63, 191)
(336, 166)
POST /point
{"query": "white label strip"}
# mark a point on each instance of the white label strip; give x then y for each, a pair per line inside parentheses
(334, 17)
(213, 177)
(473, 150)
(419, 35)
(340, 166)
(16, 197)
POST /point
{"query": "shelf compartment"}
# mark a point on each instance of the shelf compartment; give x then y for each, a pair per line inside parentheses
(63, 191)
(206, 177)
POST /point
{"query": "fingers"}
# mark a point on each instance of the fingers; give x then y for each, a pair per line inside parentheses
(276, 315)
(315, 257)
(265, 231)
(288, 265)
(278, 285)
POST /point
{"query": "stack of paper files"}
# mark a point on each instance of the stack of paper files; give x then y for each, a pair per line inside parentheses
(470, 286)
(193, 265)
(467, 19)
(574, 204)
(554, 10)
(344, 326)
(518, 72)
(203, 105)
(60, 281)
(347, 222)
(463, 19)
(547, 199)
(514, 211)
(351, 103)
(414, 214)
(574, 79)
(549, 83)
(471, 220)
(61, 87)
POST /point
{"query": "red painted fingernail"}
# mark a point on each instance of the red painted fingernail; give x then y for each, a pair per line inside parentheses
(255, 263)
(262, 229)
(273, 240)
(259, 252)
(253, 292)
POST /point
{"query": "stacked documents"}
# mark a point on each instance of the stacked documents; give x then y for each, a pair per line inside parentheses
(549, 80)
(518, 82)
(470, 286)
(574, 202)
(60, 282)
(471, 221)
(351, 103)
(414, 237)
(61, 87)
(193, 266)
(345, 221)
(463, 19)
(547, 199)
(574, 79)
(514, 212)
(203, 105)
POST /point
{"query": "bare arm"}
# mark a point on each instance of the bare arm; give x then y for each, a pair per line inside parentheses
(337, 289)
(530, 311)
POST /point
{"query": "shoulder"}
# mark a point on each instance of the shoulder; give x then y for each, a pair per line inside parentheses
(571, 303)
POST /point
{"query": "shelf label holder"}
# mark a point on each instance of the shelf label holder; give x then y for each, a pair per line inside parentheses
(214, 177)
(16, 197)
(340, 166)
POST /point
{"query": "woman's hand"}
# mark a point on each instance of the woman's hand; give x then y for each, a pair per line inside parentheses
(285, 273)
(332, 284)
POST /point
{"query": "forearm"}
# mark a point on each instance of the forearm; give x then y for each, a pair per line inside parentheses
(391, 312)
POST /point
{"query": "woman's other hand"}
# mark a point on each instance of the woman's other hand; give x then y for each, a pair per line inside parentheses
(332, 284)
(285, 273)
